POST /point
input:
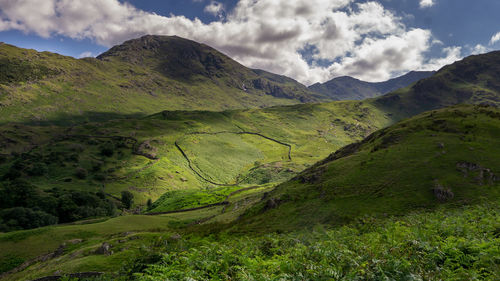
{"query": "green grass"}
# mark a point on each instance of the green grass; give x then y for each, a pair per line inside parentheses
(312, 130)
(186, 199)
(392, 171)
(130, 236)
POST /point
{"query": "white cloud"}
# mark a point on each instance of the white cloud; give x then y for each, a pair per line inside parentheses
(364, 40)
(452, 54)
(479, 49)
(495, 38)
(86, 55)
(215, 8)
(426, 3)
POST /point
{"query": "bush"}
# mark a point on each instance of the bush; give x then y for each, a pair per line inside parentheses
(108, 149)
(81, 173)
(38, 169)
(100, 177)
(127, 199)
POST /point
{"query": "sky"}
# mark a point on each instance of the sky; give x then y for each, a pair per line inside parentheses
(308, 40)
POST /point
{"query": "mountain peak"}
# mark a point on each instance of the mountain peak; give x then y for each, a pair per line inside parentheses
(173, 56)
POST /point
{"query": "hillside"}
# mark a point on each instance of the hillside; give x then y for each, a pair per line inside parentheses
(178, 154)
(172, 151)
(440, 157)
(473, 80)
(349, 88)
(360, 187)
(140, 77)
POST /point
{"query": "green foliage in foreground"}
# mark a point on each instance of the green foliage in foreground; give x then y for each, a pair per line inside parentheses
(460, 244)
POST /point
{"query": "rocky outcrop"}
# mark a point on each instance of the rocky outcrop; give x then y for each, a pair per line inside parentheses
(480, 174)
(104, 249)
(442, 193)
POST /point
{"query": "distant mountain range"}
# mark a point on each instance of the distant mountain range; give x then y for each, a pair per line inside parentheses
(349, 88)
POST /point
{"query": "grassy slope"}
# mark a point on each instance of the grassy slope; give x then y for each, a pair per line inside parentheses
(473, 80)
(47, 87)
(360, 183)
(130, 236)
(393, 171)
(312, 131)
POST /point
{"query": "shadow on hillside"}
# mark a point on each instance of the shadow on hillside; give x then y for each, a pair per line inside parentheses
(63, 119)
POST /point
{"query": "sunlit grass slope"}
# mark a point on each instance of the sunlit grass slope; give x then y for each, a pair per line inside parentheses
(140, 154)
(447, 156)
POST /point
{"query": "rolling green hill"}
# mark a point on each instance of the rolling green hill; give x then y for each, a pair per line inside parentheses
(178, 150)
(139, 77)
(440, 157)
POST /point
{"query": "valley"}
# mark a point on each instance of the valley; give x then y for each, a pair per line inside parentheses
(140, 165)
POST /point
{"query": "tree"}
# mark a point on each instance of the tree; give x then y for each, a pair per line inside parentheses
(81, 173)
(149, 203)
(127, 199)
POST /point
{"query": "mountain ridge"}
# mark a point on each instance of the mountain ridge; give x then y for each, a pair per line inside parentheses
(141, 76)
(350, 88)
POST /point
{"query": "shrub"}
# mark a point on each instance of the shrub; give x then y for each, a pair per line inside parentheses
(38, 169)
(127, 199)
(107, 149)
(81, 173)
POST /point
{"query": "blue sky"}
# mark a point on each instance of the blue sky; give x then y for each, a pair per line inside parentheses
(309, 40)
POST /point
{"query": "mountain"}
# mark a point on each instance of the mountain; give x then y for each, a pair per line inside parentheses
(256, 171)
(445, 156)
(473, 80)
(199, 150)
(139, 77)
(349, 88)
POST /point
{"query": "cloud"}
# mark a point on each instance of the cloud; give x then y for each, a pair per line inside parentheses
(215, 8)
(452, 54)
(86, 55)
(495, 38)
(364, 40)
(426, 3)
(479, 49)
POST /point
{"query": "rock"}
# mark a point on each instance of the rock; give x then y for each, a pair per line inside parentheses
(442, 193)
(176, 236)
(60, 250)
(483, 174)
(184, 179)
(272, 203)
(104, 249)
(74, 241)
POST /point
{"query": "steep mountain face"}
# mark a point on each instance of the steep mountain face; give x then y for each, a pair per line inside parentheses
(349, 88)
(187, 60)
(473, 80)
(440, 157)
(141, 76)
